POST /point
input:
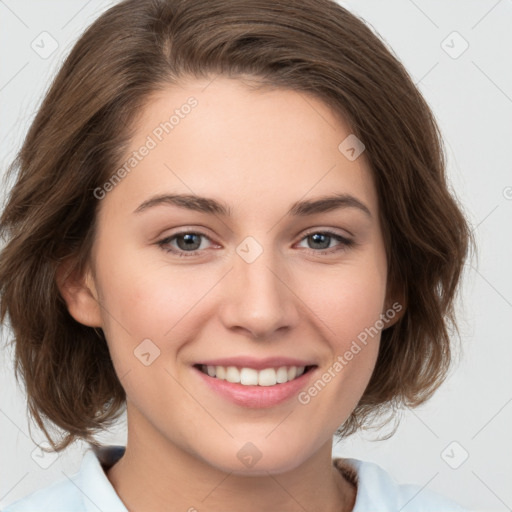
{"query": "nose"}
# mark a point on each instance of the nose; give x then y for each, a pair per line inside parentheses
(258, 298)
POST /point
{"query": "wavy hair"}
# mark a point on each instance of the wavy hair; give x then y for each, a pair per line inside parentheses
(85, 122)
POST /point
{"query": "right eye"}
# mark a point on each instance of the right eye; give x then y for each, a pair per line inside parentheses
(188, 243)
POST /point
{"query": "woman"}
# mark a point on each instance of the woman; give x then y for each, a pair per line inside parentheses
(231, 218)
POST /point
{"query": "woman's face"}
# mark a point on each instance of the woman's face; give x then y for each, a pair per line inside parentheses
(257, 284)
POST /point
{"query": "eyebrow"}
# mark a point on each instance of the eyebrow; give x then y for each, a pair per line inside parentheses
(212, 206)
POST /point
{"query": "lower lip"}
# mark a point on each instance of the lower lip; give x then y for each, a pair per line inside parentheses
(256, 397)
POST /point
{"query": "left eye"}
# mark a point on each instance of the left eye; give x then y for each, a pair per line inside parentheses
(189, 243)
(324, 239)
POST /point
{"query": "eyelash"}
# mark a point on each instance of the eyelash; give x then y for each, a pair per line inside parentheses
(346, 243)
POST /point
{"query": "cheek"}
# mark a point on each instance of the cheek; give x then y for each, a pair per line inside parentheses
(348, 299)
(349, 303)
(351, 314)
(147, 296)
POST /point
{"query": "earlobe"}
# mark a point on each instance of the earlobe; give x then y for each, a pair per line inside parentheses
(79, 293)
(395, 307)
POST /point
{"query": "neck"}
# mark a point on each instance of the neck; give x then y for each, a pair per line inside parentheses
(154, 473)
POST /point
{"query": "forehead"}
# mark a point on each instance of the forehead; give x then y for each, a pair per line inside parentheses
(249, 148)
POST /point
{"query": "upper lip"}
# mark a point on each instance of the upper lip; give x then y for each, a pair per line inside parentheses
(257, 364)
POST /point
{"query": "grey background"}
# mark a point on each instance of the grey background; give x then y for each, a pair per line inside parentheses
(470, 93)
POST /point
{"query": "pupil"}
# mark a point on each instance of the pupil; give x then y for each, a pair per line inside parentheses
(189, 242)
(320, 236)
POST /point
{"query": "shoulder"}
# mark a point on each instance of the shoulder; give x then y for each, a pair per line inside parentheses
(379, 492)
(87, 490)
(62, 495)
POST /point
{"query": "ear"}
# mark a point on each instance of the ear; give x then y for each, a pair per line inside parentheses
(80, 294)
(395, 305)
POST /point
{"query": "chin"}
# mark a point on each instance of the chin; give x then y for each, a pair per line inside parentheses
(249, 459)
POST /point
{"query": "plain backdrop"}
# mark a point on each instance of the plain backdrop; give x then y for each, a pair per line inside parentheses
(458, 53)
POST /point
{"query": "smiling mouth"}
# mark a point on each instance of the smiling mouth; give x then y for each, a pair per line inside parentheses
(251, 377)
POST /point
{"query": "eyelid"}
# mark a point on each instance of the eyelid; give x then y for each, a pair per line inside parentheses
(331, 231)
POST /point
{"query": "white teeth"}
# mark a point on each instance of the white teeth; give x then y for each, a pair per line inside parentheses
(252, 377)
(267, 377)
(282, 375)
(232, 374)
(292, 372)
(249, 377)
(220, 372)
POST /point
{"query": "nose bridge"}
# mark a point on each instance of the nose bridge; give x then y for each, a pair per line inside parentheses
(258, 299)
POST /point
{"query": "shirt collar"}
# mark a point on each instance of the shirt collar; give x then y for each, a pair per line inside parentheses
(97, 491)
(376, 490)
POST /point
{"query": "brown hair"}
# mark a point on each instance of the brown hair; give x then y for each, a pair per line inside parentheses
(84, 123)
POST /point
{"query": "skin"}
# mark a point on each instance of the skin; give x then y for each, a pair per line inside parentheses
(258, 152)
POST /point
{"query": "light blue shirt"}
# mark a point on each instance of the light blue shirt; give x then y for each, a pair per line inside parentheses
(89, 490)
